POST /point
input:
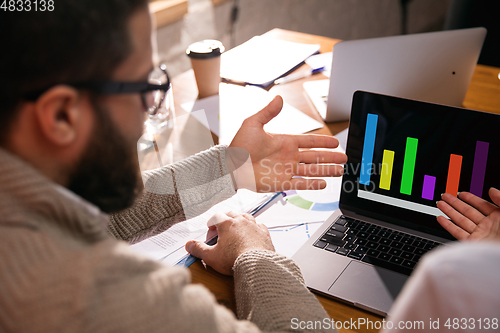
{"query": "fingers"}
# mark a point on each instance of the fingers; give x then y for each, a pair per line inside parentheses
(462, 214)
(234, 215)
(237, 235)
(316, 141)
(212, 232)
(231, 214)
(249, 217)
(305, 184)
(472, 216)
(319, 170)
(481, 206)
(198, 249)
(269, 112)
(494, 195)
(318, 156)
(455, 215)
(453, 229)
(216, 219)
(313, 168)
(297, 183)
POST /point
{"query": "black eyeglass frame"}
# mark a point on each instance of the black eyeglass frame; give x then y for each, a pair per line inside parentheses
(116, 88)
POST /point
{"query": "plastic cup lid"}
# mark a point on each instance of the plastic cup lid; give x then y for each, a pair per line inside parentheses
(208, 48)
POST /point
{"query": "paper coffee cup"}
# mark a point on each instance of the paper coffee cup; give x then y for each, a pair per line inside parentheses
(205, 60)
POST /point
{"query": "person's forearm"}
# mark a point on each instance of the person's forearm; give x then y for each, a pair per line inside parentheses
(270, 292)
(173, 194)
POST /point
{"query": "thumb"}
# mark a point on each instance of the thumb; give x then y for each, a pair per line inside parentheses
(270, 111)
(495, 195)
(198, 249)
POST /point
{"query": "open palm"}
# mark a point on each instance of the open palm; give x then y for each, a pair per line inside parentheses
(279, 160)
(472, 218)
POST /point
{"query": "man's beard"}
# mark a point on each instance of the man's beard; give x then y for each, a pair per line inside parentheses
(108, 172)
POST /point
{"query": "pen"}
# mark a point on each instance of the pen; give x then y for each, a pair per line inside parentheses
(264, 204)
(299, 75)
(188, 259)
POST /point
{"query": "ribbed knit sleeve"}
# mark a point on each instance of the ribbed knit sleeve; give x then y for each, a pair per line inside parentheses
(173, 194)
(270, 292)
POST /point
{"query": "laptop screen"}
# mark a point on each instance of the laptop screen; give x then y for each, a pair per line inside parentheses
(403, 154)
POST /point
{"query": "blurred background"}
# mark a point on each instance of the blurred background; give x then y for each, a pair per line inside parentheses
(182, 22)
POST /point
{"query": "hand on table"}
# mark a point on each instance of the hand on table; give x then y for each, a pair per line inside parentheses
(276, 158)
(238, 233)
(473, 218)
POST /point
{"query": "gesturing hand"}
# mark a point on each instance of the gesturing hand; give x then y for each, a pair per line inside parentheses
(276, 158)
(474, 218)
(238, 233)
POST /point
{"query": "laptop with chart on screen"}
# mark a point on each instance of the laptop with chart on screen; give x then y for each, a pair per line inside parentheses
(402, 154)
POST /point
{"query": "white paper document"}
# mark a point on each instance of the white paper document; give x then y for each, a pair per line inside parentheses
(169, 245)
(261, 60)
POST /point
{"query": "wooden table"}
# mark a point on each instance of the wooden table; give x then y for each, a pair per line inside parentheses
(483, 94)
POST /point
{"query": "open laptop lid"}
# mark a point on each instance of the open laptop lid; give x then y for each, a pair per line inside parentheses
(434, 67)
(402, 154)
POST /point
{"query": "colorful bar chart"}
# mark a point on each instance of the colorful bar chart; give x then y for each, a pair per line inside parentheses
(368, 148)
(429, 187)
(454, 170)
(479, 168)
(409, 165)
(386, 173)
(408, 172)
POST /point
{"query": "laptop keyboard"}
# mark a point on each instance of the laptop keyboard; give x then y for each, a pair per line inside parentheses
(370, 243)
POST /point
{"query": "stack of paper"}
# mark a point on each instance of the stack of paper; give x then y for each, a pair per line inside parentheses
(261, 60)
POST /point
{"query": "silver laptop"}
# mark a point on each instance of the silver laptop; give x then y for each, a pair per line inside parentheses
(402, 154)
(434, 67)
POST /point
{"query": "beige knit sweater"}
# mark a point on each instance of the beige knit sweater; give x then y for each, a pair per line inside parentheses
(61, 269)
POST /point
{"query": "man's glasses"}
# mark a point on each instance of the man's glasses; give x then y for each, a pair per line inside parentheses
(153, 92)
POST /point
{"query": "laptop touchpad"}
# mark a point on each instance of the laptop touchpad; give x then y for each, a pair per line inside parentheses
(372, 287)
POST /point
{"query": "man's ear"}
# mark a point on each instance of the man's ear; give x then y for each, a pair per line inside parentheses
(60, 114)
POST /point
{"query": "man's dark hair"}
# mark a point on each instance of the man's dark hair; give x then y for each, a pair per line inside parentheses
(80, 40)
